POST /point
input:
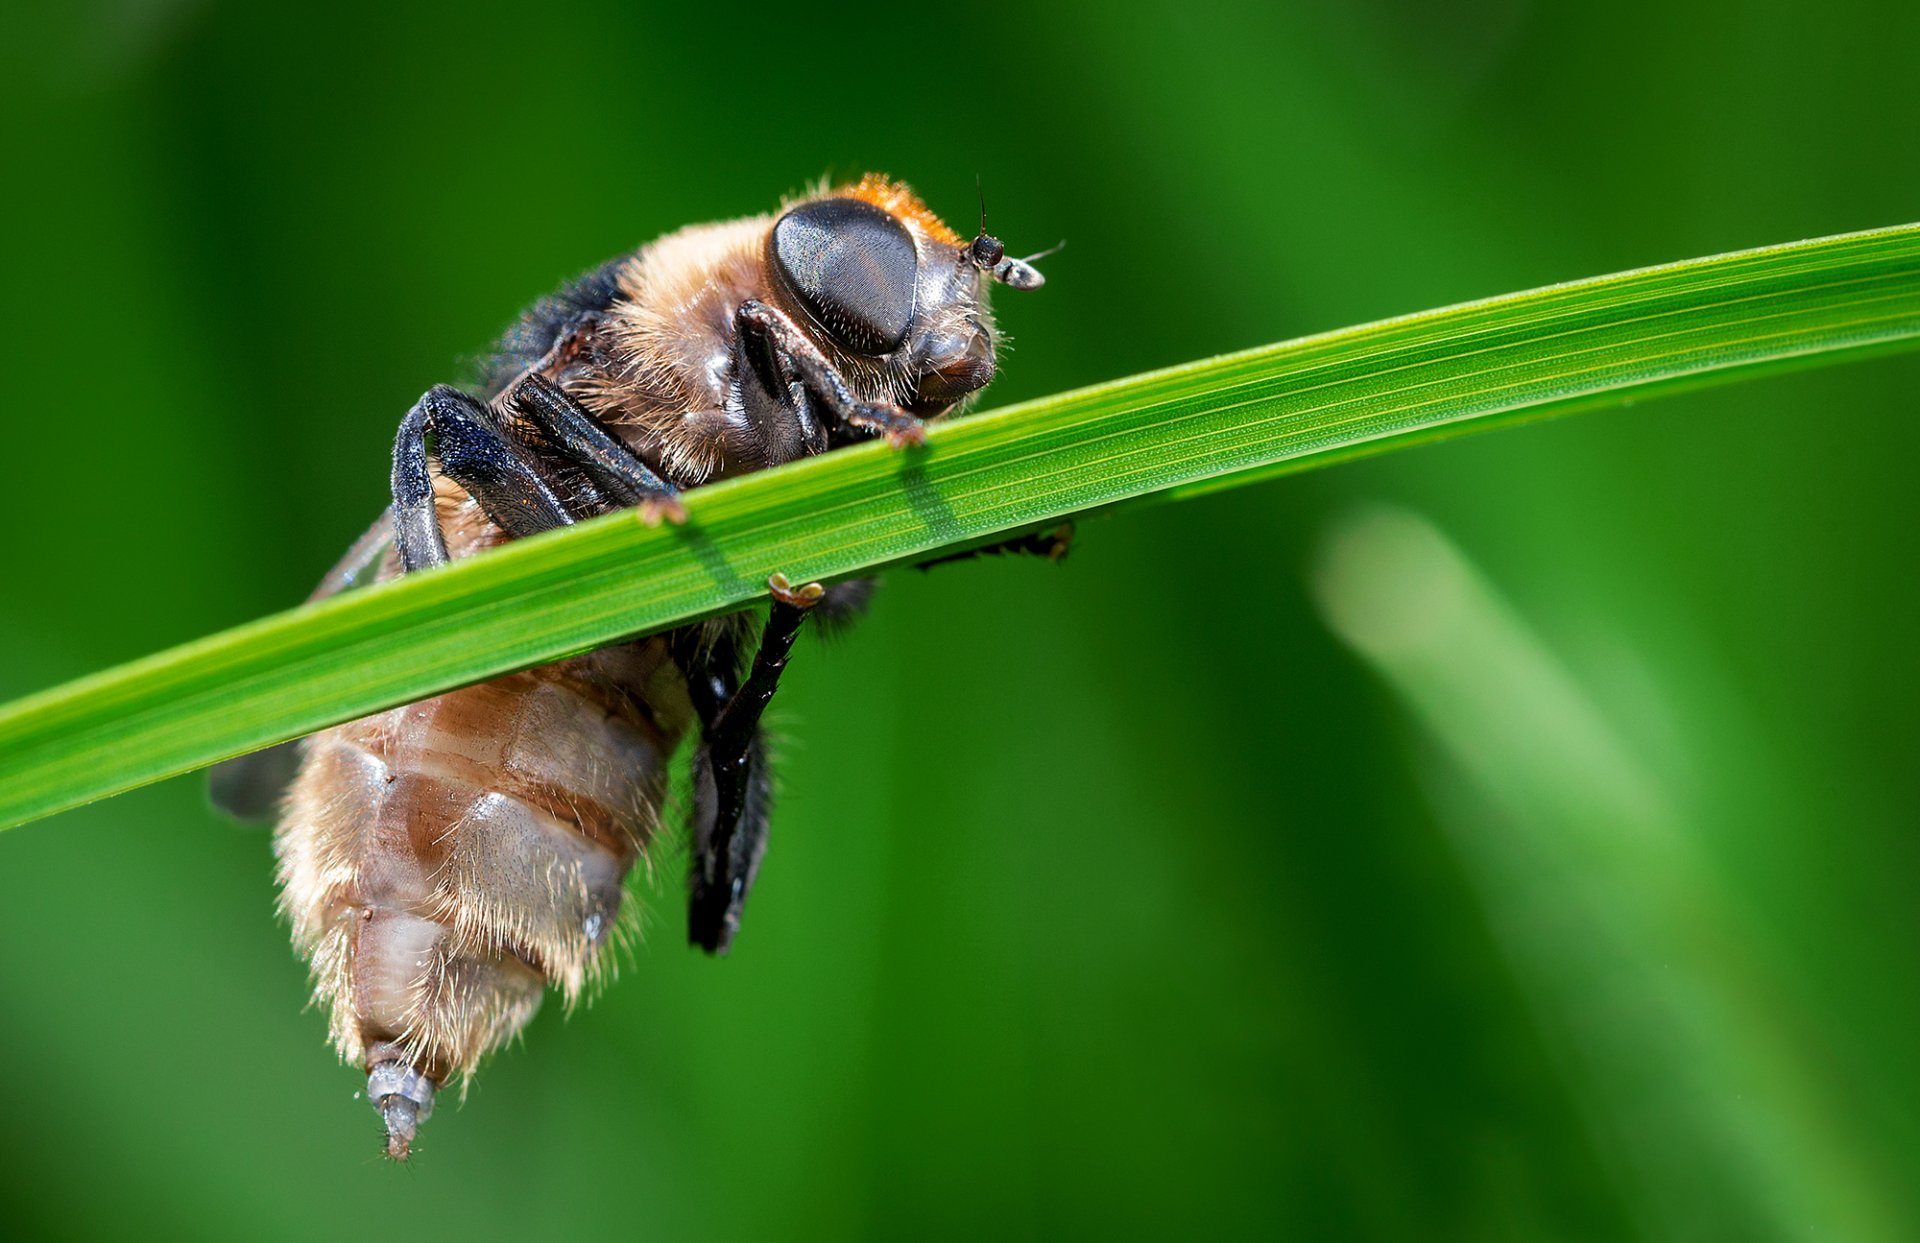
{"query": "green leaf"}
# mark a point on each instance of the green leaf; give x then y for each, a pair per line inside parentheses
(1179, 432)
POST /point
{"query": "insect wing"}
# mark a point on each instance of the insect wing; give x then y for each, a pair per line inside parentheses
(248, 788)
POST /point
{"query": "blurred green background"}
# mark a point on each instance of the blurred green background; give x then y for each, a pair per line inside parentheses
(1511, 839)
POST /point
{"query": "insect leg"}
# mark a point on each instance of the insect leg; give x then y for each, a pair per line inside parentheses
(710, 659)
(733, 798)
(1053, 545)
(741, 713)
(732, 786)
(757, 320)
(416, 527)
(584, 440)
(477, 455)
(775, 401)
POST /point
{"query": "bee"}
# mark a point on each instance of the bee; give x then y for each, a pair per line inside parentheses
(443, 863)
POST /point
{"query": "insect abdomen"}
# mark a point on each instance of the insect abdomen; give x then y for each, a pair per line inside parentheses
(444, 861)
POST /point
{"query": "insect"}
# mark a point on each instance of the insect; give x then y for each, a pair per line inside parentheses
(444, 862)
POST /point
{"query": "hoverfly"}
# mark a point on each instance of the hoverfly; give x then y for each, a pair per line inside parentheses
(442, 863)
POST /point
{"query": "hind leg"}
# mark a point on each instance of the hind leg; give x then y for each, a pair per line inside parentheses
(733, 788)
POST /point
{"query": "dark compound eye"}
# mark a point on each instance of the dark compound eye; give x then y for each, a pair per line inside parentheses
(852, 267)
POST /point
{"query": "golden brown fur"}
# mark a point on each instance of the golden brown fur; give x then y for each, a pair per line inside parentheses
(441, 863)
(669, 335)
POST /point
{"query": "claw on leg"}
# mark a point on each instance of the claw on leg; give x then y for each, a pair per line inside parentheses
(907, 436)
(802, 597)
(900, 428)
(657, 509)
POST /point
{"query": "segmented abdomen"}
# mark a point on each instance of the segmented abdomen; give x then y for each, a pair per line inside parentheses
(444, 861)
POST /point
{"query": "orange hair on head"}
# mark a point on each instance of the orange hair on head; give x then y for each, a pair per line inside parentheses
(899, 200)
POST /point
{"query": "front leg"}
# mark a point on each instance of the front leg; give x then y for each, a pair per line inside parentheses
(733, 786)
(769, 330)
(574, 434)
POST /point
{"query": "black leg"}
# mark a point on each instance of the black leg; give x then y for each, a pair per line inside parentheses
(710, 658)
(732, 790)
(477, 455)
(741, 714)
(416, 527)
(473, 452)
(572, 432)
(780, 423)
(726, 852)
(1053, 545)
(758, 321)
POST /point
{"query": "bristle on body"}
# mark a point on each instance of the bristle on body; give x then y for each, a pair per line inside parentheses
(444, 863)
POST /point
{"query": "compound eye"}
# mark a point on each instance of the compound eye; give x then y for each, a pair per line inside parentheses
(853, 268)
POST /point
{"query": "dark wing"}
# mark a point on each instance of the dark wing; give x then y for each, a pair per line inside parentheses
(249, 787)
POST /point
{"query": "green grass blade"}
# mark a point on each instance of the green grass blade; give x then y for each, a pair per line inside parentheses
(1189, 429)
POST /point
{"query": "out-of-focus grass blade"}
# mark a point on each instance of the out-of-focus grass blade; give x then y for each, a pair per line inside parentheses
(1215, 423)
(1682, 1052)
